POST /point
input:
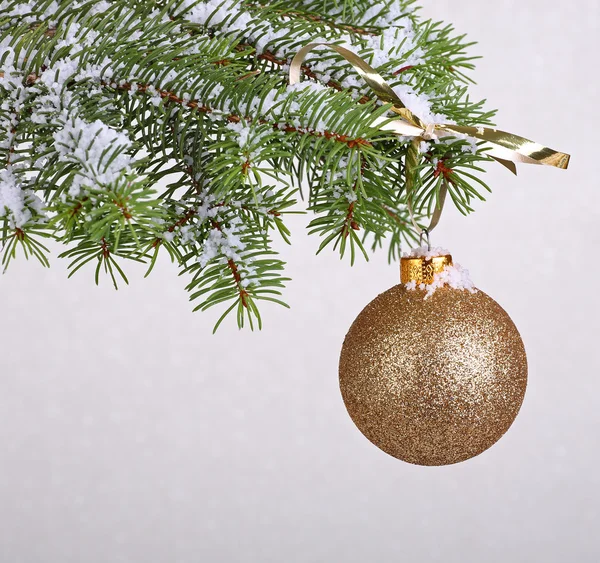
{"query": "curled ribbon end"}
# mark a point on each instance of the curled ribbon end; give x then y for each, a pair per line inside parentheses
(509, 164)
(565, 161)
(558, 160)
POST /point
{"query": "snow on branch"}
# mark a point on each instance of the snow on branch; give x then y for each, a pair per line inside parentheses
(130, 130)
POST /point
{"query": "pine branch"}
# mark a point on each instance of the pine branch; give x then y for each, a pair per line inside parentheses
(101, 103)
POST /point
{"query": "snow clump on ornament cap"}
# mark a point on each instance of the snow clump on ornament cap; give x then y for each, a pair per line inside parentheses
(452, 275)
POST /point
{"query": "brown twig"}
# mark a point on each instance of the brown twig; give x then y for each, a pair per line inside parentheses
(443, 170)
(194, 104)
(217, 226)
(104, 248)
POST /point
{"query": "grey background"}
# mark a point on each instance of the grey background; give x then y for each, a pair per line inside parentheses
(129, 434)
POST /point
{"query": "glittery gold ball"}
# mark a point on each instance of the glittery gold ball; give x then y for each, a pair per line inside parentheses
(433, 381)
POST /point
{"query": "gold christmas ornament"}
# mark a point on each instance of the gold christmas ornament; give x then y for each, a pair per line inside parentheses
(433, 377)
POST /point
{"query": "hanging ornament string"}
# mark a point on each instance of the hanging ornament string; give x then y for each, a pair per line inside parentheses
(412, 162)
(506, 148)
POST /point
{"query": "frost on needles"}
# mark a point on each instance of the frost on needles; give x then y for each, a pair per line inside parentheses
(129, 131)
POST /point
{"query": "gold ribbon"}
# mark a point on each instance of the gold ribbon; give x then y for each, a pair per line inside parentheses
(505, 148)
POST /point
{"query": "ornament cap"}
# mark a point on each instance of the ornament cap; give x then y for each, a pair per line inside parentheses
(420, 269)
